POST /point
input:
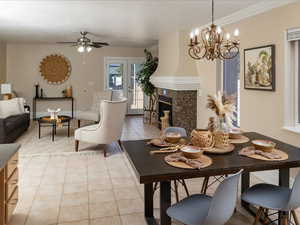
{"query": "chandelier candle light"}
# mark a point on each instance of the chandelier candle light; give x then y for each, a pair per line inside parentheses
(213, 42)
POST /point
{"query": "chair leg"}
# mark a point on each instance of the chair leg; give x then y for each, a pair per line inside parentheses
(176, 190)
(266, 217)
(120, 144)
(185, 188)
(204, 185)
(76, 145)
(105, 147)
(258, 214)
(78, 123)
(286, 219)
(295, 217)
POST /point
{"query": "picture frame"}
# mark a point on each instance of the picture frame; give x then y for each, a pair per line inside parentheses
(259, 68)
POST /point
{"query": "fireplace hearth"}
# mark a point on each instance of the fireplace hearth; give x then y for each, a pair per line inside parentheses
(182, 106)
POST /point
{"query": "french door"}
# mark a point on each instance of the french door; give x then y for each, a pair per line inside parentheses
(121, 75)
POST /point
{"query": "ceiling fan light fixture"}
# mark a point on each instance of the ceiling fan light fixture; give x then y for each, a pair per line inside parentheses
(88, 48)
(80, 48)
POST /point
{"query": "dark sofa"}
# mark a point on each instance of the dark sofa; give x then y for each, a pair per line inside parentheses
(13, 127)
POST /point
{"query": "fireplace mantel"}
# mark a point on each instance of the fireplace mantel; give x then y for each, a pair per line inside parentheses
(177, 83)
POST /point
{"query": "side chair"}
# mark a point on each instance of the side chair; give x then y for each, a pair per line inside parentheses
(271, 197)
(200, 209)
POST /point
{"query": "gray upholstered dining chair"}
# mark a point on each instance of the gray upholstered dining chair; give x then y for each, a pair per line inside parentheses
(200, 209)
(183, 134)
(268, 196)
(179, 130)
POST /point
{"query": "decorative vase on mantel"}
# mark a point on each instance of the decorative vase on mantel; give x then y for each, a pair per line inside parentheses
(165, 120)
(221, 133)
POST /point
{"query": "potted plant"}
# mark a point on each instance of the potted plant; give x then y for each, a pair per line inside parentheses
(143, 77)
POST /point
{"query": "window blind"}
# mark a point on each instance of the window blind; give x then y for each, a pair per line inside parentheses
(293, 34)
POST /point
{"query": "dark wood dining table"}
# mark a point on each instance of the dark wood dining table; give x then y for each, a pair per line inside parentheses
(151, 168)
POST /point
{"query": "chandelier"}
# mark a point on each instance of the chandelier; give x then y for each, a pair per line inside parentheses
(213, 42)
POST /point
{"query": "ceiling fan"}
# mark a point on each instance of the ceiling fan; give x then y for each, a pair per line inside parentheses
(85, 44)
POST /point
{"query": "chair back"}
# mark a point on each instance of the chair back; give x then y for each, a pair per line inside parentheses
(224, 201)
(294, 200)
(98, 97)
(117, 95)
(179, 130)
(112, 119)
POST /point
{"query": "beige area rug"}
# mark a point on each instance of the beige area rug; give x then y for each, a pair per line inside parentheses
(133, 129)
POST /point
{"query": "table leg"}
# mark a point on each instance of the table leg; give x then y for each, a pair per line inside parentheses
(72, 108)
(245, 185)
(148, 204)
(284, 180)
(39, 130)
(69, 128)
(53, 131)
(34, 109)
(165, 202)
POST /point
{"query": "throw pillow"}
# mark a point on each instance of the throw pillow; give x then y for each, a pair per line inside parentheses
(9, 108)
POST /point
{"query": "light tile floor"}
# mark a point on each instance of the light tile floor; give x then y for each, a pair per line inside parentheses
(61, 187)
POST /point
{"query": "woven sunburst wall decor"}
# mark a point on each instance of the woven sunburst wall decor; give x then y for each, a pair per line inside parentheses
(55, 69)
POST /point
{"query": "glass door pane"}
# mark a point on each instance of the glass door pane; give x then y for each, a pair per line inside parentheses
(231, 82)
(135, 93)
(115, 76)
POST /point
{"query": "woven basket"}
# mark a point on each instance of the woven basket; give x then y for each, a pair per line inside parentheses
(202, 138)
(221, 139)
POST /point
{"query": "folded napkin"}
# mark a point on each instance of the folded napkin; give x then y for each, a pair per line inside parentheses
(178, 157)
(252, 151)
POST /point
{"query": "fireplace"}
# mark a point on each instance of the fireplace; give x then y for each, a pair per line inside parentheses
(164, 104)
(182, 106)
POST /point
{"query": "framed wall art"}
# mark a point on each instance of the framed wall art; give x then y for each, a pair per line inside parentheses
(259, 68)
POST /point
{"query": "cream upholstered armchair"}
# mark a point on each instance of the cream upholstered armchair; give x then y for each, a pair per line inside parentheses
(109, 129)
(93, 114)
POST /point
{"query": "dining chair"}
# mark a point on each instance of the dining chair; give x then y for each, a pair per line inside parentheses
(200, 209)
(271, 197)
(183, 134)
(109, 129)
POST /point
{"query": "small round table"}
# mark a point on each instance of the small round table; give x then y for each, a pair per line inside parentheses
(53, 123)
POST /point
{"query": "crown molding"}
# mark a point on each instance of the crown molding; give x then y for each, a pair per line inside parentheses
(250, 11)
(177, 83)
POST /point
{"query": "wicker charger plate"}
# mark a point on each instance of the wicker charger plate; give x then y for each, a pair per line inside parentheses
(204, 159)
(216, 150)
(283, 155)
(241, 140)
(159, 143)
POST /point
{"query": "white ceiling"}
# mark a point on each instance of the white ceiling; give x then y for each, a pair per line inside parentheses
(120, 22)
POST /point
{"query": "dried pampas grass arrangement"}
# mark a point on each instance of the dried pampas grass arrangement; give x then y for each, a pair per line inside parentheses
(223, 106)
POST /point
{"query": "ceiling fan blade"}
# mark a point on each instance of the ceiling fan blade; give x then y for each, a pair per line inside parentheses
(100, 43)
(66, 42)
(95, 46)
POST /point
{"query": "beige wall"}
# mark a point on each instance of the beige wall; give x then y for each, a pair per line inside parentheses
(2, 62)
(86, 77)
(264, 111)
(261, 111)
(173, 60)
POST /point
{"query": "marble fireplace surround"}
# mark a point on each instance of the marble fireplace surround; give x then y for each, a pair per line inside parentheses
(183, 90)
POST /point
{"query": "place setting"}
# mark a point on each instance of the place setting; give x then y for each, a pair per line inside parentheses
(183, 153)
(263, 150)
